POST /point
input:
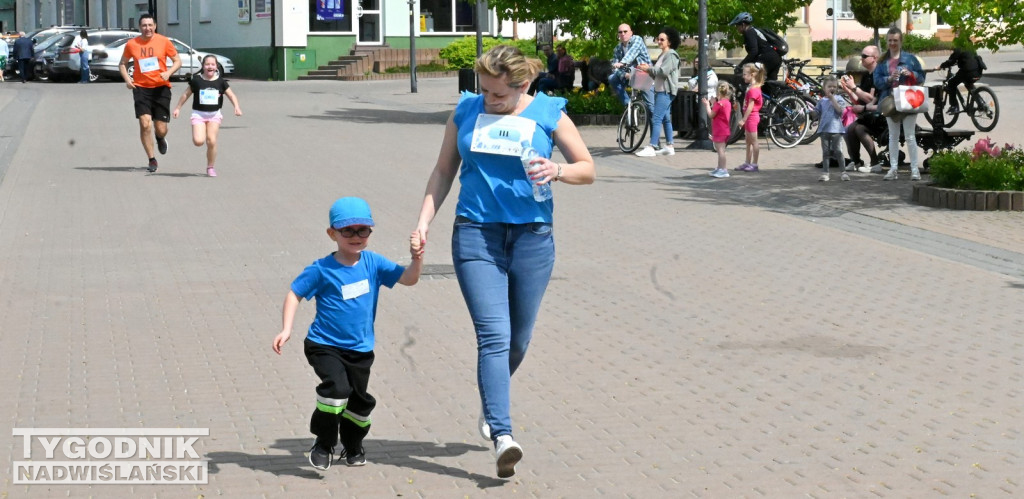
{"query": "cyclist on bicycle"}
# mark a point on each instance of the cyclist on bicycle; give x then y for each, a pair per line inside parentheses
(630, 52)
(757, 46)
(968, 72)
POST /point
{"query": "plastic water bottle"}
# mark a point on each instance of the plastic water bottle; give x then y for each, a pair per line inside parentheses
(541, 192)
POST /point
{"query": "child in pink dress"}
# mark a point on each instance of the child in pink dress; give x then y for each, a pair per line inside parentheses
(720, 113)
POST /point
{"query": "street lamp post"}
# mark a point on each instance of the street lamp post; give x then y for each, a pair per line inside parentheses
(412, 45)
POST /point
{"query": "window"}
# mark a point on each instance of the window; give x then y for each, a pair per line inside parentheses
(448, 16)
(204, 11)
(844, 9)
(330, 15)
(172, 11)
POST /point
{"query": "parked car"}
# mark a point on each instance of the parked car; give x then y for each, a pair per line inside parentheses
(105, 62)
(68, 65)
(38, 36)
(46, 52)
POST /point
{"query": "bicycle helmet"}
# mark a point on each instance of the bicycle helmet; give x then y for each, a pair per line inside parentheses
(742, 18)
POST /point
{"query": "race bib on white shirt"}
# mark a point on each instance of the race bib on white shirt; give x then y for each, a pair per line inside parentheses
(499, 134)
(149, 64)
(208, 96)
(355, 290)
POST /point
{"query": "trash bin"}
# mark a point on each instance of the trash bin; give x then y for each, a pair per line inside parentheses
(467, 80)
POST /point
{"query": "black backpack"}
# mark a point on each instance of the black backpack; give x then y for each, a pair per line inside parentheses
(981, 63)
(777, 42)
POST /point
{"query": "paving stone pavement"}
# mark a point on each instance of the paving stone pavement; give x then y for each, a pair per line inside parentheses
(763, 336)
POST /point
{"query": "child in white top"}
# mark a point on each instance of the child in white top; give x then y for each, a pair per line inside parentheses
(830, 127)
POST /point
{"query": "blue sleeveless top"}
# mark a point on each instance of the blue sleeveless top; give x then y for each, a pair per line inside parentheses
(495, 188)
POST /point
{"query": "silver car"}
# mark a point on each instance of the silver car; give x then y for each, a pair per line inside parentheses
(68, 65)
(105, 62)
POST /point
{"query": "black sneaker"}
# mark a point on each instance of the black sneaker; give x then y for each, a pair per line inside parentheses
(354, 459)
(320, 457)
(161, 145)
(152, 165)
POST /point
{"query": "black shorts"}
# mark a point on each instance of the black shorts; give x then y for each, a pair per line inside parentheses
(155, 102)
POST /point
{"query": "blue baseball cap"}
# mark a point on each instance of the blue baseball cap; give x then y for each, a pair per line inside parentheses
(350, 211)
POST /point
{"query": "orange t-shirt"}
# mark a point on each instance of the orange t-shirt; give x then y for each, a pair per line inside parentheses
(150, 59)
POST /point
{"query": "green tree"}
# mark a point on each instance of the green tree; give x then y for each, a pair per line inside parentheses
(597, 20)
(876, 13)
(979, 23)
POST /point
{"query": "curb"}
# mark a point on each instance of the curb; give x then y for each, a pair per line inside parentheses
(959, 199)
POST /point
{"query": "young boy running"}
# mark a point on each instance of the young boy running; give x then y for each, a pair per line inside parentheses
(339, 344)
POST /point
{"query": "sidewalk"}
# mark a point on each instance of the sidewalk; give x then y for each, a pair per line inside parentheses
(763, 336)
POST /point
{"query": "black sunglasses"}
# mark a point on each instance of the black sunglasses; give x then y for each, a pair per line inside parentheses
(349, 231)
(865, 56)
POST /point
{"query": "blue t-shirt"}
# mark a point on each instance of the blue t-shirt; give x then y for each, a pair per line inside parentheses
(346, 298)
(495, 188)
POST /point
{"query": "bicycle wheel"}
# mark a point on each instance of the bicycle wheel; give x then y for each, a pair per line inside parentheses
(628, 135)
(812, 124)
(985, 109)
(734, 123)
(788, 121)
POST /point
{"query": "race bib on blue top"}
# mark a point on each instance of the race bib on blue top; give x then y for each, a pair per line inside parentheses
(503, 135)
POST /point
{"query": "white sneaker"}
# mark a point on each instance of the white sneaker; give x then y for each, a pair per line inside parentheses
(876, 168)
(720, 173)
(864, 169)
(850, 167)
(891, 175)
(646, 152)
(485, 429)
(669, 150)
(915, 174)
(823, 177)
(845, 177)
(508, 453)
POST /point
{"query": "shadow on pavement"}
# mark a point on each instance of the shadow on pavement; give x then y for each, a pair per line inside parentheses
(382, 116)
(398, 453)
(795, 191)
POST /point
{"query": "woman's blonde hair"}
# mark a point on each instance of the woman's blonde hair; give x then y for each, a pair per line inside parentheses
(508, 61)
(757, 71)
(724, 90)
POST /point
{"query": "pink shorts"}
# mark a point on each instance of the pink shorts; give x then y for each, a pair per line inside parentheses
(752, 121)
(200, 117)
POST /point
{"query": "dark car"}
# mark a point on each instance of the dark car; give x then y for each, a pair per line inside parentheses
(46, 52)
(67, 63)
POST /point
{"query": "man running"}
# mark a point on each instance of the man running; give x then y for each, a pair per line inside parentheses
(151, 86)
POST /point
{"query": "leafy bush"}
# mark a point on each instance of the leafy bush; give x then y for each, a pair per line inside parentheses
(986, 168)
(461, 53)
(916, 43)
(597, 101)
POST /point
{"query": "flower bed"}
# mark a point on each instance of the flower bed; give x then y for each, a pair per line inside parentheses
(985, 178)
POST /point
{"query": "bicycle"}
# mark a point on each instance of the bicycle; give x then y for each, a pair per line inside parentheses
(785, 117)
(635, 121)
(981, 105)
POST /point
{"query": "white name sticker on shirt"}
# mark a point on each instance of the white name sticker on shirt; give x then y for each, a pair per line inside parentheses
(149, 64)
(208, 96)
(355, 289)
(495, 134)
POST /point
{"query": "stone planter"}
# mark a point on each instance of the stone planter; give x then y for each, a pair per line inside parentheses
(595, 119)
(957, 199)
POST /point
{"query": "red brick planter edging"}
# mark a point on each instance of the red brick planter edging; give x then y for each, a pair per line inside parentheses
(957, 199)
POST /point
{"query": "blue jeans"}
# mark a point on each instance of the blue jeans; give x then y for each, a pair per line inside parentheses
(662, 115)
(503, 271)
(84, 57)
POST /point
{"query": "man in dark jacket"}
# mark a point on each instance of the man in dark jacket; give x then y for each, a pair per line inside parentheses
(24, 50)
(757, 46)
(967, 73)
